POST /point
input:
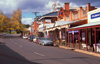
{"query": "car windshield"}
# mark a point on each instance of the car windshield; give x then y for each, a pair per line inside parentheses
(45, 38)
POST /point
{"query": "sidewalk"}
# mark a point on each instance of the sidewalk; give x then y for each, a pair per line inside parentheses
(81, 51)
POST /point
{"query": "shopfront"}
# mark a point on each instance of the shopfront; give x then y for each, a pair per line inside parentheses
(73, 38)
(89, 34)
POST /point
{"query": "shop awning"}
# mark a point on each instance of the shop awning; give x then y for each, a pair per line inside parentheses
(49, 25)
(46, 26)
(60, 23)
(89, 25)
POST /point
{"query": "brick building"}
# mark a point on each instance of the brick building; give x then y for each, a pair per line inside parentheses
(68, 18)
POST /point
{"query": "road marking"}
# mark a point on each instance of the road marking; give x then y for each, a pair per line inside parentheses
(15, 42)
(20, 45)
(39, 54)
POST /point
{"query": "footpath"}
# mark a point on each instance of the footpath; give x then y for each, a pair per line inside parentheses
(81, 51)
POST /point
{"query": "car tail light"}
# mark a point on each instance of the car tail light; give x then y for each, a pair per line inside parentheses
(37, 40)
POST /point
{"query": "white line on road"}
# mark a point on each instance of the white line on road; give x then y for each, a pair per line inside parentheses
(15, 43)
(20, 45)
(39, 54)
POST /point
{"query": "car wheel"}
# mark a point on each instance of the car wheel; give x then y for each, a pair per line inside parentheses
(39, 44)
(43, 44)
(52, 45)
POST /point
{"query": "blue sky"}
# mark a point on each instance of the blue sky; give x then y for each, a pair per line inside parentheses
(42, 6)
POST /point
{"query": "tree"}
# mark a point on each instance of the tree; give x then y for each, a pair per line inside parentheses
(16, 19)
(4, 20)
(27, 26)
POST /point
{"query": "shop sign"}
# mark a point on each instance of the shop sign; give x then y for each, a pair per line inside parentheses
(61, 14)
(75, 31)
(96, 15)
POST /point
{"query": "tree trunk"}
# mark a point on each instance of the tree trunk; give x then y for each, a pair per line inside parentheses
(21, 33)
(10, 31)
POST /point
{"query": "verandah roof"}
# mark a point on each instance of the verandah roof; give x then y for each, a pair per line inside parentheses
(60, 23)
(84, 26)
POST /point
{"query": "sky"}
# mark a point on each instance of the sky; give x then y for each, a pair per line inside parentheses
(41, 6)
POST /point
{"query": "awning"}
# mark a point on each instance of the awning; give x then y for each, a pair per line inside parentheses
(60, 23)
(41, 28)
(49, 25)
(89, 25)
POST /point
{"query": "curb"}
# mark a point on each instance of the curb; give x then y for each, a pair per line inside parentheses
(81, 51)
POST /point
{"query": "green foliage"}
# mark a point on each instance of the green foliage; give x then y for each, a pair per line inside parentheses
(27, 26)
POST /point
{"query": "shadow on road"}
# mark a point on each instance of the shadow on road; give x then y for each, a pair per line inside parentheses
(8, 56)
(10, 36)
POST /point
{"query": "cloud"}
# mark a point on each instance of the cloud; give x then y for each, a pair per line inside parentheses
(38, 5)
(27, 20)
(7, 6)
(42, 6)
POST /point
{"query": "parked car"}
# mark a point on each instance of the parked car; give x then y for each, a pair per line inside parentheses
(31, 38)
(24, 36)
(45, 41)
(36, 39)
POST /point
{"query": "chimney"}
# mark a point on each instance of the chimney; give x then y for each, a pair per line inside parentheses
(80, 8)
(67, 6)
(88, 7)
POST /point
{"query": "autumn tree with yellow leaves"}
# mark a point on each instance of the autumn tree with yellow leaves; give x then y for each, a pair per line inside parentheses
(16, 17)
(13, 23)
(4, 20)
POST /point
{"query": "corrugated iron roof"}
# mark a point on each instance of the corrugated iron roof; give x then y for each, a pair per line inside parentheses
(59, 23)
(51, 14)
(87, 25)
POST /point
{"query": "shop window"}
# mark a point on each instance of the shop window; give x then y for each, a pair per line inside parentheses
(63, 35)
(84, 36)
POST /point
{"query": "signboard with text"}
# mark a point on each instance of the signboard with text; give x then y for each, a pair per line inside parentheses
(95, 15)
(75, 31)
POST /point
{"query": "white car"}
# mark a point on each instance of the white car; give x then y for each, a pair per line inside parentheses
(25, 37)
(36, 39)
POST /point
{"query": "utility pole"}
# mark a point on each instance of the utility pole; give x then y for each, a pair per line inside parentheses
(35, 13)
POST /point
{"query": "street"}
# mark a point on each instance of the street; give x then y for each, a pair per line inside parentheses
(16, 50)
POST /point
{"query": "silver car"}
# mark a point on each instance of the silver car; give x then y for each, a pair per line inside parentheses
(45, 41)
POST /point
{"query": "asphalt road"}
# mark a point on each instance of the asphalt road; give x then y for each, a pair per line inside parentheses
(16, 50)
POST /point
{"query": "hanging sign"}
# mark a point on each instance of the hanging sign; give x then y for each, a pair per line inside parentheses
(61, 14)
